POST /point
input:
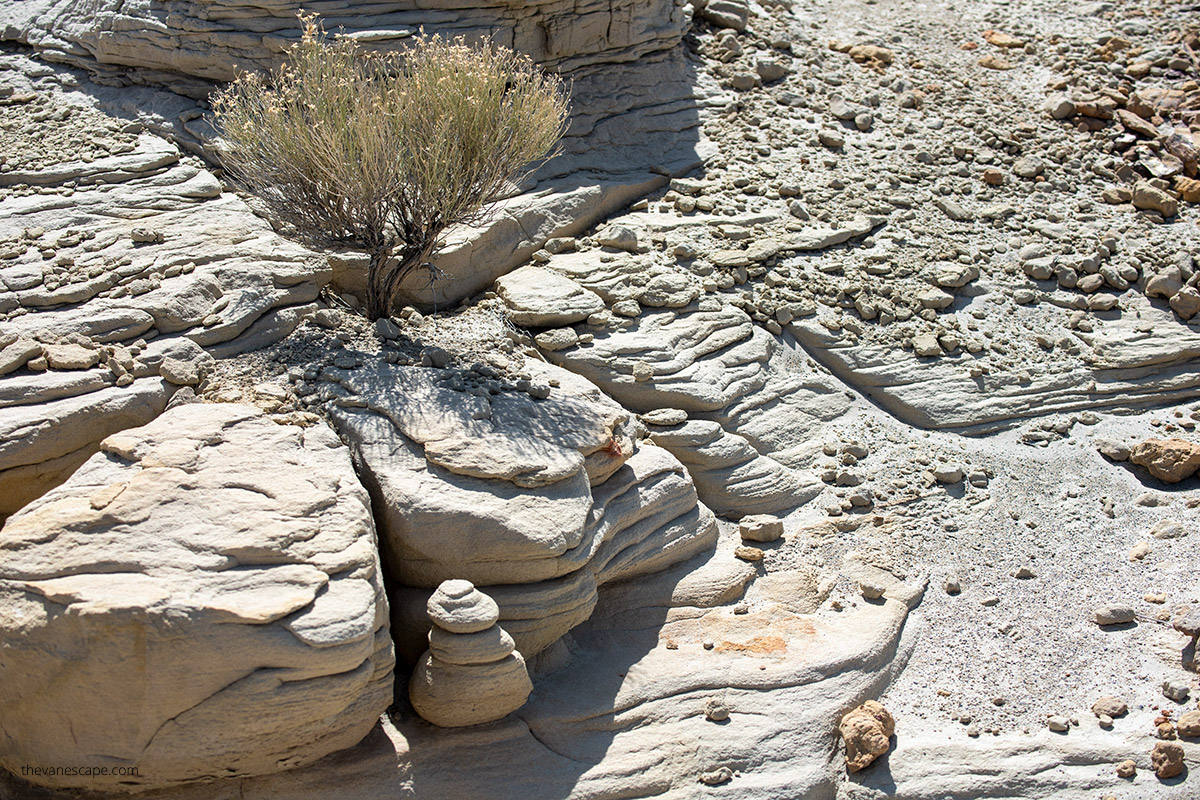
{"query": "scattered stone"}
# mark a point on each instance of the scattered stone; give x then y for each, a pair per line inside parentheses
(1114, 614)
(71, 356)
(1148, 196)
(1127, 768)
(1167, 759)
(717, 777)
(179, 372)
(733, 14)
(146, 236)
(1186, 303)
(760, 528)
(1169, 460)
(1059, 106)
(1168, 529)
(750, 554)
(927, 345)
(620, 237)
(1139, 551)
(1177, 691)
(1109, 706)
(1058, 723)
(1029, 167)
(948, 473)
(541, 298)
(1188, 725)
(557, 339)
(1113, 450)
(771, 70)
(871, 590)
(867, 731)
(715, 710)
(831, 139)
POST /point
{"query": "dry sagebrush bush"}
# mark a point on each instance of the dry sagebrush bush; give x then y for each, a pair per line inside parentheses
(383, 152)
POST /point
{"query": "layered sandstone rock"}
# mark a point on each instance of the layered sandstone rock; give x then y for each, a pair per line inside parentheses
(214, 39)
(744, 414)
(202, 598)
(124, 269)
(536, 501)
(635, 96)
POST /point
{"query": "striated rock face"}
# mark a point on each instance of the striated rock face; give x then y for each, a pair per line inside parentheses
(1169, 460)
(471, 673)
(123, 269)
(214, 39)
(201, 599)
(866, 731)
(636, 98)
(537, 502)
(750, 412)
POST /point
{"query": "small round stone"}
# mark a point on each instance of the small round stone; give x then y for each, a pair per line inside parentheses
(458, 607)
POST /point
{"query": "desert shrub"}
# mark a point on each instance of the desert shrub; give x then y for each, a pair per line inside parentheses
(383, 152)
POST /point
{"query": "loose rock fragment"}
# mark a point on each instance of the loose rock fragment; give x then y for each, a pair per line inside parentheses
(760, 528)
(1167, 759)
(866, 731)
(1169, 460)
(1114, 614)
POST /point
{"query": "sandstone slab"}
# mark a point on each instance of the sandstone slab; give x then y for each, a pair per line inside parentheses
(201, 598)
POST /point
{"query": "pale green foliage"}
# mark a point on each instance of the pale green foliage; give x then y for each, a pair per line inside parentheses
(386, 151)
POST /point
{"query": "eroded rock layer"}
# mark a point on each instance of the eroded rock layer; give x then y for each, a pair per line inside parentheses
(536, 501)
(124, 268)
(201, 599)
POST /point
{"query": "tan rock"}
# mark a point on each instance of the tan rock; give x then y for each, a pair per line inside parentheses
(866, 731)
(541, 298)
(1169, 460)
(71, 356)
(1127, 769)
(1188, 725)
(483, 647)
(1110, 706)
(760, 528)
(458, 607)
(484, 680)
(1186, 303)
(1167, 759)
(1148, 196)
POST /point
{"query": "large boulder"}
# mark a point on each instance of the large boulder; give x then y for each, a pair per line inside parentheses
(201, 599)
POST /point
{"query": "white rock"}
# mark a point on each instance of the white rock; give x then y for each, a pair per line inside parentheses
(201, 599)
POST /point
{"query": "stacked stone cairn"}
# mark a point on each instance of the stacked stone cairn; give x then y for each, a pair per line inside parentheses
(471, 674)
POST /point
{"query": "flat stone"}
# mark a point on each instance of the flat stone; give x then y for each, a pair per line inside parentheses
(541, 298)
(482, 647)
